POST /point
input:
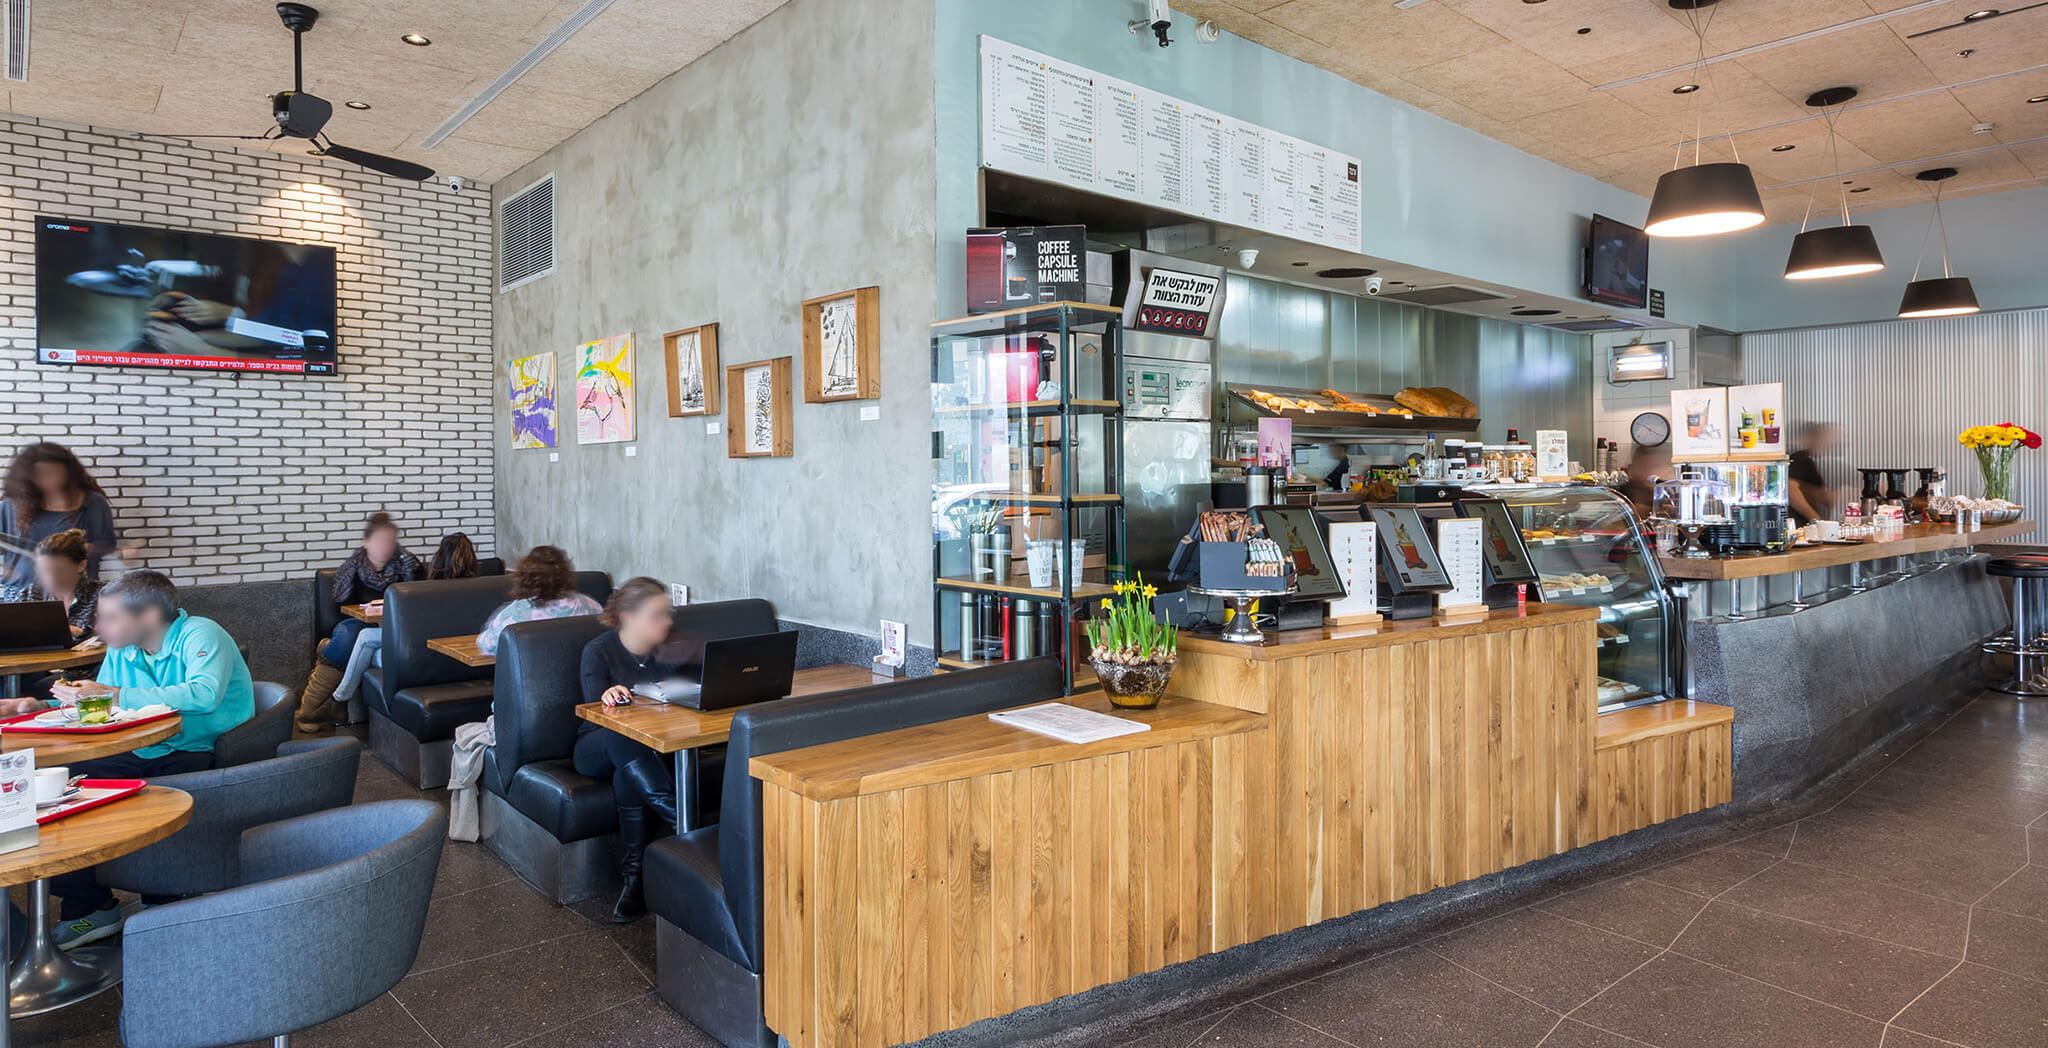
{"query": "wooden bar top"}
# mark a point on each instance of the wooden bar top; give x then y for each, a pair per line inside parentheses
(667, 729)
(1672, 717)
(971, 746)
(1297, 643)
(1914, 538)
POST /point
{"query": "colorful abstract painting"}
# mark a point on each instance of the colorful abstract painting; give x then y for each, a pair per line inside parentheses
(604, 390)
(533, 401)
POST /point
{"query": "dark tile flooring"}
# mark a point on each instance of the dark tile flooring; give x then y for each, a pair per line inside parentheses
(1905, 908)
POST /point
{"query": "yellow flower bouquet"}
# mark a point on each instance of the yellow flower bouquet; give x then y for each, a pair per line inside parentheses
(1994, 446)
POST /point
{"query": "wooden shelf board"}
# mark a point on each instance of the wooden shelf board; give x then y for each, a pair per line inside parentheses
(1103, 313)
(1090, 407)
(1673, 717)
(1084, 590)
(1088, 499)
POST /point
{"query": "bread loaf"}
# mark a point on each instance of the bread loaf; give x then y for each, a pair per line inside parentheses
(1436, 402)
(1459, 405)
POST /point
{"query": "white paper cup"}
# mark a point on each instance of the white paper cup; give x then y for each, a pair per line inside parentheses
(1829, 529)
(50, 783)
(1041, 557)
(1076, 555)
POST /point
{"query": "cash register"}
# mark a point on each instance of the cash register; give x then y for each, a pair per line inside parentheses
(1301, 533)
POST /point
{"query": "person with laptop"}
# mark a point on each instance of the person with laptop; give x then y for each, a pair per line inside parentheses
(637, 650)
(60, 576)
(47, 490)
(158, 654)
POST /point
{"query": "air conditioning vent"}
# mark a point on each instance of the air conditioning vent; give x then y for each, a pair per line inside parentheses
(1597, 324)
(526, 235)
(14, 30)
(1444, 295)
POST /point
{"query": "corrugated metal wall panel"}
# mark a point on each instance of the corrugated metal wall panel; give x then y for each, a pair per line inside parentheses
(1904, 389)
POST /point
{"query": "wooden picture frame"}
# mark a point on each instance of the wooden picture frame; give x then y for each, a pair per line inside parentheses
(767, 406)
(698, 346)
(844, 362)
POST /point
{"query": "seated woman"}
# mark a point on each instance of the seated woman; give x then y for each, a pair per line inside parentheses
(47, 490)
(375, 566)
(636, 650)
(543, 587)
(455, 558)
(60, 576)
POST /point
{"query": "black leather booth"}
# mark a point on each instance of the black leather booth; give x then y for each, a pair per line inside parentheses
(705, 886)
(419, 696)
(327, 614)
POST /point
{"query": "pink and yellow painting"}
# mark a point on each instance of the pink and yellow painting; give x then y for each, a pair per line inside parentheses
(604, 390)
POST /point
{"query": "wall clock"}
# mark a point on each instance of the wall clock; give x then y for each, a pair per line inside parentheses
(1650, 430)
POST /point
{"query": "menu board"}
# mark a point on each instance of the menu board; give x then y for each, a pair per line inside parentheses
(1458, 543)
(1354, 548)
(1058, 122)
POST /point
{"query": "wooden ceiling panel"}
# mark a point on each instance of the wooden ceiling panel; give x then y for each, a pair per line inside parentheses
(1599, 125)
(1994, 46)
(1809, 156)
(1628, 36)
(1746, 23)
(1733, 99)
(1397, 40)
(1911, 128)
(2035, 156)
(1505, 82)
(1870, 58)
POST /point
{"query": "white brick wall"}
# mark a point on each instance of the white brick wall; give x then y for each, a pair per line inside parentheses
(256, 478)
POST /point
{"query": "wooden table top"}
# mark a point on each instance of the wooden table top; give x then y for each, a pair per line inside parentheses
(1914, 538)
(462, 650)
(1293, 644)
(92, 837)
(25, 662)
(971, 746)
(52, 750)
(667, 729)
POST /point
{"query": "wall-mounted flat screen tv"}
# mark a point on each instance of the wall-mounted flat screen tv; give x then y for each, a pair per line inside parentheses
(1617, 263)
(111, 295)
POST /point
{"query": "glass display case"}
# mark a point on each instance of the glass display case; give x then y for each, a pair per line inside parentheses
(1590, 550)
(1027, 503)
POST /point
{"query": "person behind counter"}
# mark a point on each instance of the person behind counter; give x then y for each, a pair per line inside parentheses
(1644, 469)
(48, 490)
(636, 650)
(1339, 478)
(1809, 494)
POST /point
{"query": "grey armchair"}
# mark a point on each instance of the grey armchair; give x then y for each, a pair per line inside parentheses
(327, 919)
(307, 776)
(258, 738)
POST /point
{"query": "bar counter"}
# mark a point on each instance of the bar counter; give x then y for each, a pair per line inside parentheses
(1914, 538)
(920, 880)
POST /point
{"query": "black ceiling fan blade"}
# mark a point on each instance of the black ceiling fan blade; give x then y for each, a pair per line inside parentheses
(379, 163)
(173, 134)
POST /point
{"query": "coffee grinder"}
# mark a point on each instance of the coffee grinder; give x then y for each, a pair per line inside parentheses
(1873, 492)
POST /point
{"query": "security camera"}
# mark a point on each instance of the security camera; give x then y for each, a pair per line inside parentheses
(1158, 18)
(1373, 285)
(457, 183)
(1247, 257)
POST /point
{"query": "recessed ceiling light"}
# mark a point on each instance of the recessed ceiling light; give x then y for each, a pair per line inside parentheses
(415, 40)
(352, 104)
(1966, 52)
(1685, 89)
(1787, 148)
(1976, 15)
(2038, 99)
(1345, 273)
(1585, 30)
(1532, 1)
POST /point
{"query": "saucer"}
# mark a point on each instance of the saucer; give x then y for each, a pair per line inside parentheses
(66, 797)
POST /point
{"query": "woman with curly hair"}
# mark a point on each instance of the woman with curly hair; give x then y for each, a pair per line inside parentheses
(48, 490)
(543, 587)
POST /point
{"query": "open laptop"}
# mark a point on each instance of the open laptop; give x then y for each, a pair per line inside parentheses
(34, 626)
(737, 671)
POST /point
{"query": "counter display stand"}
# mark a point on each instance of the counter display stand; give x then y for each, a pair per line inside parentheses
(1027, 428)
(1590, 551)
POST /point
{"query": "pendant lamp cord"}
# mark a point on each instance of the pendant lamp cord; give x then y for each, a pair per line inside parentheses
(1933, 221)
(1835, 157)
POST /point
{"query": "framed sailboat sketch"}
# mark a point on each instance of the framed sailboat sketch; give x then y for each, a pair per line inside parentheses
(693, 375)
(842, 346)
(757, 410)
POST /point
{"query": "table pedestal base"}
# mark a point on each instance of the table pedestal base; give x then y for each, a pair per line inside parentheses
(45, 978)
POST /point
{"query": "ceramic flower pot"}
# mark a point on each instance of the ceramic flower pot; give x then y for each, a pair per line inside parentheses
(1133, 685)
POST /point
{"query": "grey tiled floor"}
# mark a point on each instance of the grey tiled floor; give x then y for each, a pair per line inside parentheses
(1909, 909)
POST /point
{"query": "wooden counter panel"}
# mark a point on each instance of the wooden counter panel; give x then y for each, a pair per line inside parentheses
(1298, 643)
(1662, 777)
(1915, 538)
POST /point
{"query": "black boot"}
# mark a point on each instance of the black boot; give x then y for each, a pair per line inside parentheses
(649, 777)
(633, 841)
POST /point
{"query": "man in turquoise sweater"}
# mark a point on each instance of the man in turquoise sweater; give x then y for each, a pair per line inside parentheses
(158, 655)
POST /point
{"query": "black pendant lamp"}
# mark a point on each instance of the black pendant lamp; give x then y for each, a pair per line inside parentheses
(1946, 295)
(1834, 251)
(1703, 199)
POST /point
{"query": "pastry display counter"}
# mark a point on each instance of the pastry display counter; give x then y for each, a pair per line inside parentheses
(920, 880)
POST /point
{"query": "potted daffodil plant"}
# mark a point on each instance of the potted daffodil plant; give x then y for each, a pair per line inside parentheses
(1132, 651)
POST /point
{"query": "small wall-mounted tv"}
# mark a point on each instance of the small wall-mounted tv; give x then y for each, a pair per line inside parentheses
(110, 295)
(1617, 263)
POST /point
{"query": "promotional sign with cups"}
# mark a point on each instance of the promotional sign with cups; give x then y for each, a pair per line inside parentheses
(20, 787)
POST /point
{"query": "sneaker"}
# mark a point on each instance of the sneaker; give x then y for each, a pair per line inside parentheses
(91, 928)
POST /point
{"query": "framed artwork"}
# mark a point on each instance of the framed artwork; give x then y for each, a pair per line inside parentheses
(533, 400)
(693, 376)
(842, 346)
(757, 410)
(604, 391)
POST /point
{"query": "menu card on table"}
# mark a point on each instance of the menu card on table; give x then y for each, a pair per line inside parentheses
(1458, 544)
(18, 800)
(1354, 549)
(1068, 723)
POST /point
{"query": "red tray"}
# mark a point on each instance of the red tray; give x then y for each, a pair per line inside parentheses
(14, 724)
(122, 788)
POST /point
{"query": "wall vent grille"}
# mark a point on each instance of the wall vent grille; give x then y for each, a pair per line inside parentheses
(526, 235)
(14, 28)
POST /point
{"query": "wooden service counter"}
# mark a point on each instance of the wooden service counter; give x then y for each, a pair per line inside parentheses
(920, 880)
(1912, 539)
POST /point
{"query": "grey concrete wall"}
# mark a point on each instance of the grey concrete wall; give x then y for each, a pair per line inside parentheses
(795, 160)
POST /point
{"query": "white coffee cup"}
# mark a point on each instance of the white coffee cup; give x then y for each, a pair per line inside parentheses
(51, 782)
(1829, 529)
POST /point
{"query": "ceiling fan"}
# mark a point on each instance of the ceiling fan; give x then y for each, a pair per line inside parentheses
(300, 115)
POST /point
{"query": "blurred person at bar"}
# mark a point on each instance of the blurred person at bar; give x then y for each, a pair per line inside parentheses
(1811, 496)
(47, 490)
(375, 565)
(1645, 468)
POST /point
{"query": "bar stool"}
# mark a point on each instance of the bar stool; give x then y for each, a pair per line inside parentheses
(2028, 645)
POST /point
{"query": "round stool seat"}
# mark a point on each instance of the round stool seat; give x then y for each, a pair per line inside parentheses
(2026, 566)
